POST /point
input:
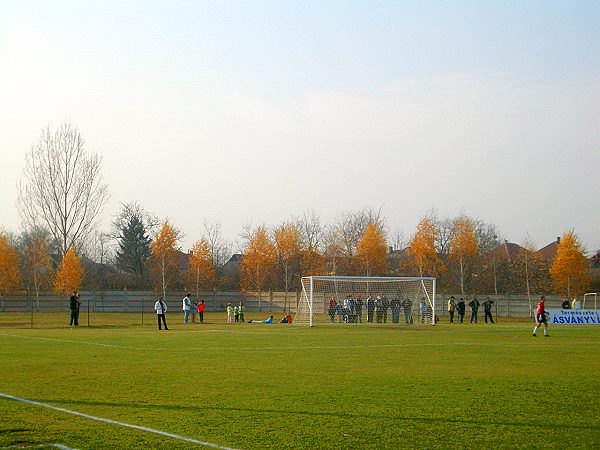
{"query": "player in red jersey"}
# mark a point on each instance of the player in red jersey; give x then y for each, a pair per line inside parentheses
(541, 317)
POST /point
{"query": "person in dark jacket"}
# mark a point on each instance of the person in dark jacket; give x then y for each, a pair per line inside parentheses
(487, 309)
(474, 304)
(74, 305)
(460, 308)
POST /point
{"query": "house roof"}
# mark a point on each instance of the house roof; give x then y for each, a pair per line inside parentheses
(507, 250)
(549, 251)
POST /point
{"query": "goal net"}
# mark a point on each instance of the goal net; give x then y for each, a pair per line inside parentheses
(385, 300)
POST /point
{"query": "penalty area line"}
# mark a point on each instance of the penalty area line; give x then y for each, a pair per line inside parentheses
(114, 422)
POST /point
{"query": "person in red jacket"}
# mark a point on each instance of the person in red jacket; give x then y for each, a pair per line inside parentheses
(541, 317)
(201, 308)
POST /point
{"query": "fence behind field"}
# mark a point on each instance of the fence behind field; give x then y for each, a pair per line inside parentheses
(108, 307)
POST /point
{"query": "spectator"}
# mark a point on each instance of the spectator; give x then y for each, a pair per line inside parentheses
(451, 308)
(426, 311)
(566, 304)
(201, 309)
(193, 308)
(370, 309)
(407, 305)
(74, 305)
(187, 306)
(331, 309)
(385, 304)
(358, 306)
(474, 304)
(460, 309)
(487, 309)
(287, 319)
(241, 309)
(269, 320)
(161, 310)
(339, 311)
(395, 307)
(229, 313)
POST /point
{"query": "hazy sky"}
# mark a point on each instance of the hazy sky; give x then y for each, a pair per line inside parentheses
(256, 111)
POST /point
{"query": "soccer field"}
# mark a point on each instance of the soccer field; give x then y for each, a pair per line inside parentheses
(248, 386)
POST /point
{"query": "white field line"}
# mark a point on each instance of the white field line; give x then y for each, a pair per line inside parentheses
(281, 347)
(114, 422)
(59, 446)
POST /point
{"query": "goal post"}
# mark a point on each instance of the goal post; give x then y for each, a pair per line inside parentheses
(384, 300)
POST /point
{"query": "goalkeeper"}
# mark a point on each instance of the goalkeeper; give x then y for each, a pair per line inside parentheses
(541, 317)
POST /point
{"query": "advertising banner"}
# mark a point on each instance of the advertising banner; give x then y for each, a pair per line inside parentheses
(573, 317)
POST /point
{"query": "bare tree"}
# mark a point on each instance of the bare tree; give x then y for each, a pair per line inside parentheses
(220, 249)
(62, 189)
(487, 235)
(310, 229)
(350, 226)
(398, 240)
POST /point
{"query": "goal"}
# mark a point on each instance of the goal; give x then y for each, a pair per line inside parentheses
(385, 300)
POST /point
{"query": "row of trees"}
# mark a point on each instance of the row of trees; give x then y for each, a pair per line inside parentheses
(62, 193)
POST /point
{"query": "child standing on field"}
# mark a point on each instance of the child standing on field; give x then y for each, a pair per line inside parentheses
(236, 313)
(241, 311)
(229, 313)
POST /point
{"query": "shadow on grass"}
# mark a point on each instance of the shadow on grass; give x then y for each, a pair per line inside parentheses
(335, 414)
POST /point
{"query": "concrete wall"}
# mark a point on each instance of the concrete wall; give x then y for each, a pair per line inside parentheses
(138, 301)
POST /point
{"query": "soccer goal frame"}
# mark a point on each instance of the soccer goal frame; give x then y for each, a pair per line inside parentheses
(420, 291)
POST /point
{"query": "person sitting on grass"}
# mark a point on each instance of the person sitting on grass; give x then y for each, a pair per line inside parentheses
(269, 320)
(287, 319)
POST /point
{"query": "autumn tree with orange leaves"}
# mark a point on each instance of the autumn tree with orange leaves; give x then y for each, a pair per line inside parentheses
(201, 272)
(258, 262)
(570, 268)
(463, 248)
(10, 277)
(371, 251)
(422, 248)
(287, 246)
(69, 274)
(164, 266)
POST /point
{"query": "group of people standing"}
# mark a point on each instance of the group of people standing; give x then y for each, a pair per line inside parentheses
(350, 309)
(235, 313)
(459, 307)
(190, 309)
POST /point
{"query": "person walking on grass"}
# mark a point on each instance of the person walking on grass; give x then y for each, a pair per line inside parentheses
(229, 313)
(74, 305)
(541, 317)
(161, 310)
(487, 309)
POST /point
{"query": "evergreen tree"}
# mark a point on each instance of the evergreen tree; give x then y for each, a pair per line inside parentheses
(134, 247)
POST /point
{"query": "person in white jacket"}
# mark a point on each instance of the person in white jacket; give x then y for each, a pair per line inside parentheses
(161, 309)
(187, 307)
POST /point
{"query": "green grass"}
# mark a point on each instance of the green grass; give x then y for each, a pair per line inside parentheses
(280, 386)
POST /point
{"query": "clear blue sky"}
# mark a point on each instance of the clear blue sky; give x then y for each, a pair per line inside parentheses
(257, 111)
